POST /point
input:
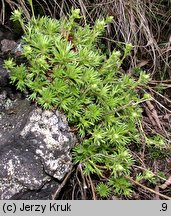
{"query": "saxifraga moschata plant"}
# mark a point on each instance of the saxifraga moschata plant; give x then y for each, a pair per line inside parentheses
(64, 68)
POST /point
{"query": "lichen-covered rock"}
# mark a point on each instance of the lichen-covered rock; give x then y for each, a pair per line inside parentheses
(48, 132)
(35, 149)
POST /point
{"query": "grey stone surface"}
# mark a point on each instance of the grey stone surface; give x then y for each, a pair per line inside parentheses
(8, 45)
(35, 149)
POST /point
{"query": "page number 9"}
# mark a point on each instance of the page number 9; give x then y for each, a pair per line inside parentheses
(164, 207)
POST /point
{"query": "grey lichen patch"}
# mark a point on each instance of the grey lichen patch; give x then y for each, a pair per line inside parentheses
(46, 124)
(10, 168)
(3, 97)
(5, 102)
(54, 141)
(9, 104)
(35, 147)
(8, 189)
(18, 174)
(55, 166)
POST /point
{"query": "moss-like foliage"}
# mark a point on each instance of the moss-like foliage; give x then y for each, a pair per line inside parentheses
(65, 69)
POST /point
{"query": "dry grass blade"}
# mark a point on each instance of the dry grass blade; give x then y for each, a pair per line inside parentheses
(59, 188)
(148, 189)
(166, 184)
(154, 114)
(2, 12)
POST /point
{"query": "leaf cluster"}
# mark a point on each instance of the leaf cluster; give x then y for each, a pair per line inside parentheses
(65, 69)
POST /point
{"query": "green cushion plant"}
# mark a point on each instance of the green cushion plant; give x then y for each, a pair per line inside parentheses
(64, 69)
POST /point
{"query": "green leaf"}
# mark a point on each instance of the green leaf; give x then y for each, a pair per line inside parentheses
(9, 64)
(47, 98)
(103, 190)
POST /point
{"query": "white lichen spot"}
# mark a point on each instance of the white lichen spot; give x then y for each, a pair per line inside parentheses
(10, 168)
(39, 152)
(47, 113)
(53, 164)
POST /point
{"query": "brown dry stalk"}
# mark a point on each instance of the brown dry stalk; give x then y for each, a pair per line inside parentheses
(148, 112)
(147, 189)
(154, 114)
(92, 187)
(166, 184)
(164, 97)
(161, 105)
(59, 187)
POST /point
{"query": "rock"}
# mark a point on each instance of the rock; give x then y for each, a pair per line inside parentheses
(4, 75)
(35, 149)
(45, 193)
(8, 45)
